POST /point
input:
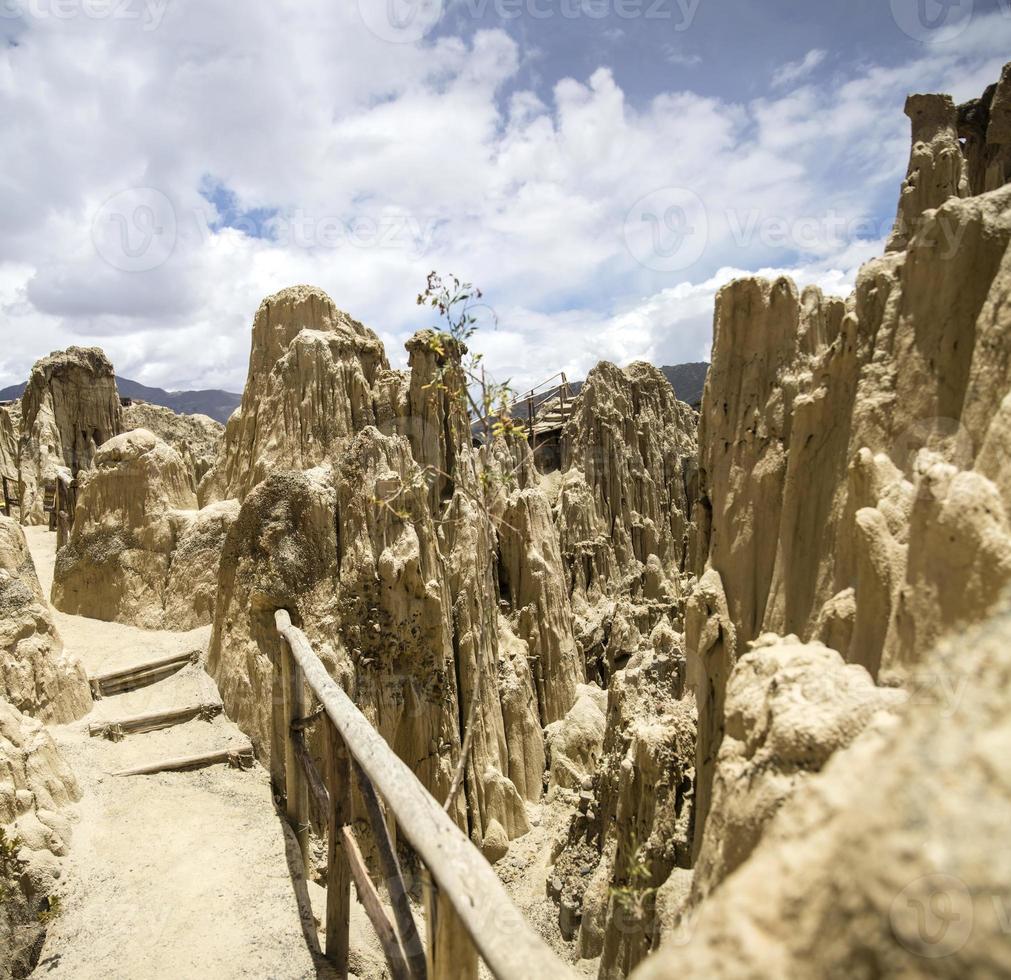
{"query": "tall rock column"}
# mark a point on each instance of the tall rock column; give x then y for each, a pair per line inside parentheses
(69, 409)
(937, 169)
(310, 388)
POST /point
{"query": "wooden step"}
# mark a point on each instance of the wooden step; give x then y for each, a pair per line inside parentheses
(155, 721)
(131, 678)
(240, 757)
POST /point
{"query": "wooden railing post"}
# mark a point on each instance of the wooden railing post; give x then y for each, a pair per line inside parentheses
(338, 885)
(466, 912)
(295, 789)
(451, 954)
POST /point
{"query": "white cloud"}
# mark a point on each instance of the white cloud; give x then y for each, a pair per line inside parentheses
(794, 71)
(379, 162)
(682, 59)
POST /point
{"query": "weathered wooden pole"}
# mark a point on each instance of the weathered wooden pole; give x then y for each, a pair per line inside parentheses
(295, 788)
(451, 953)
(338, 885)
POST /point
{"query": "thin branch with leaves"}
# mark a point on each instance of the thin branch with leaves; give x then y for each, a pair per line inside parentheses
(472, 399)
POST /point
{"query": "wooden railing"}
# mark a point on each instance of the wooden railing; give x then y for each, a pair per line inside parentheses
(467, 910)
(10, 498)
(562, 390)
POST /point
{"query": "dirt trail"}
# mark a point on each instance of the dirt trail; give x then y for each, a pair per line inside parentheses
(175, 875)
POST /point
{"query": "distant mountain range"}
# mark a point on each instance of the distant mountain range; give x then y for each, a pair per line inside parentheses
(217, 404)
(687, 380)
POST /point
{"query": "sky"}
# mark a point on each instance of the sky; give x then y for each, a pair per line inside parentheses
(599, 168)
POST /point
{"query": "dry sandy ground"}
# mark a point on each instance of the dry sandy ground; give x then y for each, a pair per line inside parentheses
(189, 875)
(177, 875)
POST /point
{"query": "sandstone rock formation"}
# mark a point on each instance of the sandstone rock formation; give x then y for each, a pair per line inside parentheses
(309, 390)
(623, 510)
(985, 126)
(38, 683)
(853, 491)
(576, 742)
(36, 677)
(844, 440)
(10, 431)
(195, 437)
(35, 786)
(884, 863)
(69, 409)
(789, 707)
(139, 552)
(381, 543)
(937, 167)
(634, 824)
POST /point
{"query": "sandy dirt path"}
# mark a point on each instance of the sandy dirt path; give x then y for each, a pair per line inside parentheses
(176, 875)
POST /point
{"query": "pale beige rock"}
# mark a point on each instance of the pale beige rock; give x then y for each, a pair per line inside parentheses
(402, 545)
(805, 444)
(998, 134)
(883, 864)
(711, 646)
(136, 514)
(69, 409)
(854, 479)
(10, 432)
(192, 586)
(937, 168)
(524, 737)
(623, 510)
(312, 369)
(37, 677)
(36, 787)
(532, 580)
(576, 742)
(627, 438)
(789, 707)
(196, 438)
(638, 810)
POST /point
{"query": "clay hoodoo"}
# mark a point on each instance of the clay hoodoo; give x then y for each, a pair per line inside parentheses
(69, 409)
(398, 542)
(628, 453)
(309, 390)
(10, 430)
(628, 458)
(140, 552)
(195, 437)
(860, 871)
(937, 166)
(39, 683)
(36, 789)
(852, 467)
(36, 676)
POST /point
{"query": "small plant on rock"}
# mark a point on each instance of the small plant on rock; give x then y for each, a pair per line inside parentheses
(635, 896)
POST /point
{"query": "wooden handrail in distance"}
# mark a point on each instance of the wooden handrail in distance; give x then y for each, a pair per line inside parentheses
(506, 941)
